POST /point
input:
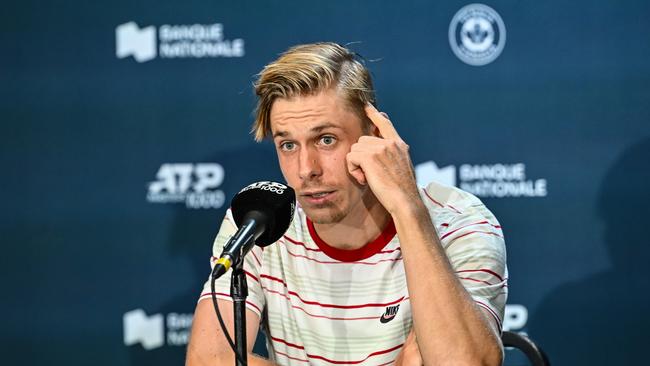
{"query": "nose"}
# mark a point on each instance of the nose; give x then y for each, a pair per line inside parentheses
(309, 164)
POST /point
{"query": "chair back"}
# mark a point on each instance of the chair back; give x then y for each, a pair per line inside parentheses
(535, 355)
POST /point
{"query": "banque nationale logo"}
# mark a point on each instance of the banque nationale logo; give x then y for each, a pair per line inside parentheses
(484, 180)
(477, 34)
(157, 330)
(193, 184)
(175, 41)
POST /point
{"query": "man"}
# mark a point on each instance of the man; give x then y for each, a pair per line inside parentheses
(373, 270)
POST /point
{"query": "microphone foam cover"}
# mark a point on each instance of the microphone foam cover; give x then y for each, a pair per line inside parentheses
(275, 201)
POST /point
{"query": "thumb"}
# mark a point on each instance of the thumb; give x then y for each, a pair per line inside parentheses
(355, 169)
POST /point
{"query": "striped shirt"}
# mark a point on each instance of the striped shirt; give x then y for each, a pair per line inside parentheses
(324, 306)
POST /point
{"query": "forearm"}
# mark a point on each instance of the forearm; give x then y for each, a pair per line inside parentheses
(208, 346)
(450, 328)
(226, 359)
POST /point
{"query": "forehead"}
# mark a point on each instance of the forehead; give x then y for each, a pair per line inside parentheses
(305, 112)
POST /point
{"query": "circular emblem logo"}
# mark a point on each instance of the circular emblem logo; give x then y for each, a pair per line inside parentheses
(477, 34)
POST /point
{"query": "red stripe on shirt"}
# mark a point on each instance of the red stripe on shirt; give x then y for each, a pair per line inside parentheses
(251, 275)
(468, 225)
(454, 208)
(475, 280)
(431, 198)
(248, 273)
(336, 262)
(289, 357)
(228, 298)
(387, 363)
(292, 241)
(389, 251)
(494, 315)
(256, 259)
(474, 232)
(440, 204)
(368, 305)
(320, 316)
(356, 362)
(292, 345)
(482, 270)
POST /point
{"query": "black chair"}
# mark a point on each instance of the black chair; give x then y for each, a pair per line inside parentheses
(535, 355)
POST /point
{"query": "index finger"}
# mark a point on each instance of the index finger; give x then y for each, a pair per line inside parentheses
(383, 124)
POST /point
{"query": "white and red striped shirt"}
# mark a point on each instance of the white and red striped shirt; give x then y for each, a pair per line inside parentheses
(326, 306)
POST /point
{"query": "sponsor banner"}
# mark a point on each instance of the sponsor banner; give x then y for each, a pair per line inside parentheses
(477, 34)
(175, 41)
(173, 329)
(500, 180)
(195, 185)
(515, 317)
(157, 330)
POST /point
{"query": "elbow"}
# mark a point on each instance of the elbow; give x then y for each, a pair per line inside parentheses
(493, 359)
(220, 359)
(492, 356)
(191, 360)
(480, 361)
(489, 356)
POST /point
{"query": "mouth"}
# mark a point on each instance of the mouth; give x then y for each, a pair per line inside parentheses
(317, 197)
(317, 194)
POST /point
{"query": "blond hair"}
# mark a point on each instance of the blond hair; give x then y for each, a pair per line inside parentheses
(307, 70)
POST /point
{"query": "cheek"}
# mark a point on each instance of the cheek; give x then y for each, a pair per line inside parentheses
(289, 170)
(337, 167)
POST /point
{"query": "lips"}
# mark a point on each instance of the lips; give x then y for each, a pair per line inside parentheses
(317, 197)
(317, 194)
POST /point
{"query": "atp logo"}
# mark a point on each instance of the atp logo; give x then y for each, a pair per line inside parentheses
(429, 172)
(194, 184)
(391, 312)
(130, 40)
(149, 331)
(515, 317)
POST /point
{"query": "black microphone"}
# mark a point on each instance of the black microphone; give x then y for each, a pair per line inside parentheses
(263, 212)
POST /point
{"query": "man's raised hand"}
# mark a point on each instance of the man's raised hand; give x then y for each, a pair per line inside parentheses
(382, 161)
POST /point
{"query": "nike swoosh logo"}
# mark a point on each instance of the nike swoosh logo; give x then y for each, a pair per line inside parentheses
(385, 319)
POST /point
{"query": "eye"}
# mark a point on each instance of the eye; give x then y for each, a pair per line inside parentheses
(287, 146)
(327, 140)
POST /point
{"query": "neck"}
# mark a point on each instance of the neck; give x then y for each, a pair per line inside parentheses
(358, 228)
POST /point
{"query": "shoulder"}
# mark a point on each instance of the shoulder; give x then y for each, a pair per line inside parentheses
(440, 198)
(454, 211)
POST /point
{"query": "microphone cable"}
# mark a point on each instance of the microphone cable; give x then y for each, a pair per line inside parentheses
(238, 356)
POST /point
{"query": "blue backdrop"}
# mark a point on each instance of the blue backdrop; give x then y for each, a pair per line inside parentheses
(125, 132)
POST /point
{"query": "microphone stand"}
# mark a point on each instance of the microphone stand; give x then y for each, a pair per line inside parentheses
(239, 292)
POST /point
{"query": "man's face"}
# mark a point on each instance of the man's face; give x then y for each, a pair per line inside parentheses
(312, 136)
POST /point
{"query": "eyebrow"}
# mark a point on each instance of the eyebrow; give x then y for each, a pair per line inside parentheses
(316, 129)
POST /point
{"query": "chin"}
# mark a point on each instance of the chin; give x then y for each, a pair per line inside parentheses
(324, 216)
